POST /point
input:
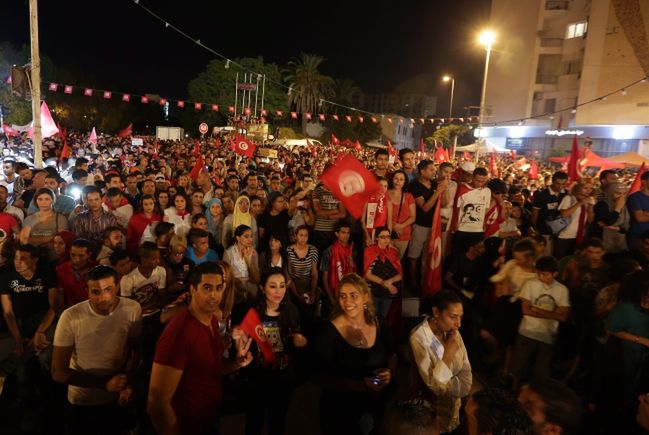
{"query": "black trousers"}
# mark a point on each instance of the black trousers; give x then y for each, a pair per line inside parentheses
(108, 419)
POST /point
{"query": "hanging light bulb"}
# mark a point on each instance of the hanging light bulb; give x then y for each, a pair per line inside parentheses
(574, 110)
(166, 25)
(551, 117)
(227, 64)
(623, 92)
(520, 122)
(604, 98)
(290, 89)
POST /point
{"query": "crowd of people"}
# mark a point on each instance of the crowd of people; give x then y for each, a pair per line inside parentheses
(164, 294)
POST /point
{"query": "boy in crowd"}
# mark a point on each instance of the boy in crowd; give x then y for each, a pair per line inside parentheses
(199, 252)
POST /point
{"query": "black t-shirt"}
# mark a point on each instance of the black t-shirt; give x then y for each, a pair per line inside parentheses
(548, 204)
(180, 272)
(423, 218)
(29, 297)
(275, 225)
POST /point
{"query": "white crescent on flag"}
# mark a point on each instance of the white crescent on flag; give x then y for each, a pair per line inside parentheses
(351, 183)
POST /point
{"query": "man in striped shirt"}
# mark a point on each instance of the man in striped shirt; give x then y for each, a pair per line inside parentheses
(328, 209)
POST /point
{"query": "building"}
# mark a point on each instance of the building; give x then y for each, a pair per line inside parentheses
(401, 132)
(554, 60)
(413, 98)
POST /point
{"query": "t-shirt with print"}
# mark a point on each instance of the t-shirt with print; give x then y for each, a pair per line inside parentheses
(327, 201)
(29, 297)
(100, 344)
(472, 205)
(570, 231)
(146, 291)
(547, 202)
(546, 297)
(273, 333)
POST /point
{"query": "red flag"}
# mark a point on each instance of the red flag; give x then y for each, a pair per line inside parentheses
(321, 116)
(279, 113)
(144, 100)
(197, 149)
(126, 98)
(637, 182)
(294, 115)
(264, 112)
(65, 152)
(493, 219)
(433, 281)
(198, 168)
(492, 165)
(67, 89)
(374, 120)
(361, 119)
(334, 139)
(335, 117)
(127, 132)
(513, 154)
(198, 106)
(391, 149)
(181, 104)
(533, 172)
(308, 116)
(108, 95)
(422, 147)
(348, 118)
(231, 109)
(48, 126)
(87, 92)
(53, 87)
(466, 155)
(573, 173)
(389, 120)
(251, 325)
(447, 155)
(93, 137)
(440, 155)
(351, 183)
(314, 152)
(8, 131)
(358, 146)
(244, 147)
(215, 107)
(163, 101)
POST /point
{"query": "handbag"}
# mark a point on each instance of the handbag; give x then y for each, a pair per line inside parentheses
(558, 225)
(394, 235)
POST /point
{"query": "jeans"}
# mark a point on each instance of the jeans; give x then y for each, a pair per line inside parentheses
(381, 306)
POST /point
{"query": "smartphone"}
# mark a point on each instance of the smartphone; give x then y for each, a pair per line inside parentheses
(376, 380)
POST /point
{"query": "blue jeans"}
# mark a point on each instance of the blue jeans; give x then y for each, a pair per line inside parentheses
(381, 306)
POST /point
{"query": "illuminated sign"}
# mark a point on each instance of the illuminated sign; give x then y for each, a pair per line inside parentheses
(564, 132)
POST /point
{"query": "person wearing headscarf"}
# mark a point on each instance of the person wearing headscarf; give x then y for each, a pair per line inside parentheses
(240, 216)
(214, 215)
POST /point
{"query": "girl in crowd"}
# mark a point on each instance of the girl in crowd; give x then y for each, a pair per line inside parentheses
(197, 202)
(244, 260)
(442, 362)
(141, 223)
(304, 214)
(240, 216)
(271, 375)
(61, 244)
(214, 215)
(355, 359)
(185, 183)
(162, 198)
(256, 207)
(403, 211)
(383, 271)
(274, 257)
(40, 228)
(303, 270)
(522, 218)
(179, 215)
(377, 213)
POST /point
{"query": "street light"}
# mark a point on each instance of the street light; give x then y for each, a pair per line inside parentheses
(452, 80)
(486, 38)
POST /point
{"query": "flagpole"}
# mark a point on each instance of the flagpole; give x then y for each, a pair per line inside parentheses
(36, 83)
(249, 91)
(243, 93)
(236, 93)
(256, 94)
(263, 91)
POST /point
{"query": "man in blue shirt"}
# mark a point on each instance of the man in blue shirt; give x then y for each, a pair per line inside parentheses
(199, 252)
(638, 206)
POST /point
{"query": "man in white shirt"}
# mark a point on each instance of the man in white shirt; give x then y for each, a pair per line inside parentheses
(119, 206)
(471, 205)
(96, 352)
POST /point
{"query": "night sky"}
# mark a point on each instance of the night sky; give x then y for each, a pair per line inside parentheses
(378, 44)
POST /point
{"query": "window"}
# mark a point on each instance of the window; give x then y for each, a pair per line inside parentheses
(575, 30)
(550, 105)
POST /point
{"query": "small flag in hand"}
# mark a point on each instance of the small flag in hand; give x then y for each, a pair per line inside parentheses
(244, 147)
(251, 325)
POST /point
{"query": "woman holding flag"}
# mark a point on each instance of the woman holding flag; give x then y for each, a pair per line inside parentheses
(274, 325)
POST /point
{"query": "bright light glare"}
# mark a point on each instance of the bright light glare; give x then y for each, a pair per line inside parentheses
(446, 78)
(623, 132)
(487, 38)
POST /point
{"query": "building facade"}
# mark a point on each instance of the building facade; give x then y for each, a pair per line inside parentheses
(568, 64)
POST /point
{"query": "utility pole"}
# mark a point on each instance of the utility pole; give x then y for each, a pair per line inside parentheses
(36, 83)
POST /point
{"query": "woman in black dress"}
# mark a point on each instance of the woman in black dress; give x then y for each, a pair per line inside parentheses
(355, 359)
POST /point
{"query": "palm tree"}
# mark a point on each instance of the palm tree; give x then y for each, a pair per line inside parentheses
(345, 91)
(307, 87)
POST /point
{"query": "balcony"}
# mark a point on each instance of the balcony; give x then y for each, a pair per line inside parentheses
(551, 42)
(557, 5)
(547, 79)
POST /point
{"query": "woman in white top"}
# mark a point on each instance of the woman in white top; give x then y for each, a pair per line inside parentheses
(441, 359)
(243, 258)
(179, 215)
(240, 216)
(578, 207)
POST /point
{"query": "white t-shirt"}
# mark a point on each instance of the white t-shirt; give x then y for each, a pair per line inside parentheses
(136, 286)
(570, 232)
(100, 344)
(546, 297)
(473, 206)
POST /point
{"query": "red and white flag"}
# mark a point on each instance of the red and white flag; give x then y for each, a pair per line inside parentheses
(231, 109)
(87, 92)
(335, 117)
(440, 155)
(374, 120)
(247, 111)
(93, 137)
(433, 280)
(351, 183)
(48, 126)
(321, 116)
(181, 104)
(198, 106)
(264, 112)
(348, 118)
(67, 89)
(126, 98)
(334, 139)
(308, 116)
(215, 107)
(144, 100)
(361, 119)
(244, 147)
(533, 171)
(53, 87)
(389, 120)
(279, 113)
(198, 168)
(492, 165)
(252, 326)
(294, 115)
(8, 131)
(108, 95)
(637, 182)
(493, 218)
(127, 132)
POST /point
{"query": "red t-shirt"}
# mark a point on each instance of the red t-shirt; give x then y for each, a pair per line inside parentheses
(7, 222)
(74, 291)
(403, 216)
(188, 345)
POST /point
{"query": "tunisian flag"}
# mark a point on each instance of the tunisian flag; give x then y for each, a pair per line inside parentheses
(48, 126)
(93, 137)
(334, 139)
(440, 155)
(433, 281)
(127, 132)
(351, 183)
(493, 219)
(492, 165)
(573, 162)
(65, 152)
(198, 167)
(637, 183)
(244, 147)
(533, 172)
(251, 325)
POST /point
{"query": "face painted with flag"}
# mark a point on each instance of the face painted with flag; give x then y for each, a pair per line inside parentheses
(351, 183)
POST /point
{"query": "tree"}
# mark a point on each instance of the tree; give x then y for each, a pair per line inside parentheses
(307, 85)
(216, 85)
(363, 131)
(345, 90)
(17, 110)
(447, 134)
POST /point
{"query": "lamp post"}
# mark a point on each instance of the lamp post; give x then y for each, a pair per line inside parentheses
(487, 38)
(450, 106)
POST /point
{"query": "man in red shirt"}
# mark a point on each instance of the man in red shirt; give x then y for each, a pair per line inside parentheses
(72, 276)
(185, 389)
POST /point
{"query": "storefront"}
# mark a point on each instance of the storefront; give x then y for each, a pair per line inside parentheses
(607, 140)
